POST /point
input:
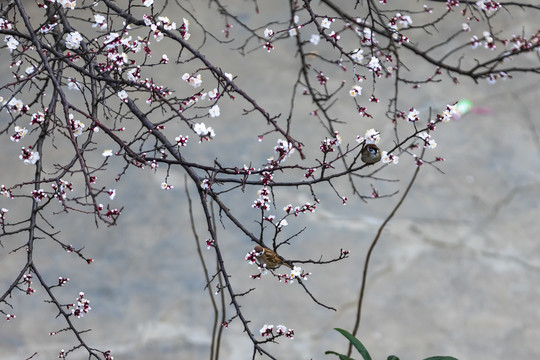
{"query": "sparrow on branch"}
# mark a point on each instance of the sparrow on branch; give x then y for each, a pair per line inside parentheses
(370, 154)
(269, 258)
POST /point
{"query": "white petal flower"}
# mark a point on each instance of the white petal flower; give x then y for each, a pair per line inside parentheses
(374, 64)
(372, 136)
(389, 158)
(326, 23)
(123, 95)
(214, 111)
(73, 40)
(358, 55)
(413, 115)
(296, 271)
(355, 90)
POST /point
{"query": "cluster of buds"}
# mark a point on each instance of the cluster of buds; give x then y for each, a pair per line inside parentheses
(244, 170)
(112, 213)
(39, 195)
(82, 307)
(60, 189)
(251, 257)
(309, 173)
(267, 177)
(27, 279)
(181, 140)
(307, 207)
(6, 192)
(327, 145)
(210, 243)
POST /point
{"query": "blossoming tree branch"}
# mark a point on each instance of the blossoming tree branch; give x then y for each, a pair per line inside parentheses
(86, 96)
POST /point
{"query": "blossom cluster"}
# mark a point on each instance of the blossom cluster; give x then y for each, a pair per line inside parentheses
(488, 5)
(449, 112)
(99, 21)
(11, 42)
(429, 142)
(357, 56)
(204, 132)
(375, 66)
(296, 273)
(39, 195)
(28, 156)
(263, 201)
(19, 134)
(166, 186)
(284, 149)
(194, 81)
(73, 40)
(60, 189)
(387, 158)
(268, 330)
(181, 140)
(398, 22)
(251, 257)
(67, 4)
(371, 136)
(15, 106)
(37, 118)
(77, 126)
(413, 115)
(487, 37)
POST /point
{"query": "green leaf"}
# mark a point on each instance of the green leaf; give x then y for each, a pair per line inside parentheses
(356, 343)
(392, 357)
(441, 358)
(341, 356)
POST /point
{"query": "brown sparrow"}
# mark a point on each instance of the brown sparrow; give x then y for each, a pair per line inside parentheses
(370, 154)
(269, 258)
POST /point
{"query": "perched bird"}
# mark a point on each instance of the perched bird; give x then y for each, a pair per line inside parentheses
(370, 154)
(269, 257)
